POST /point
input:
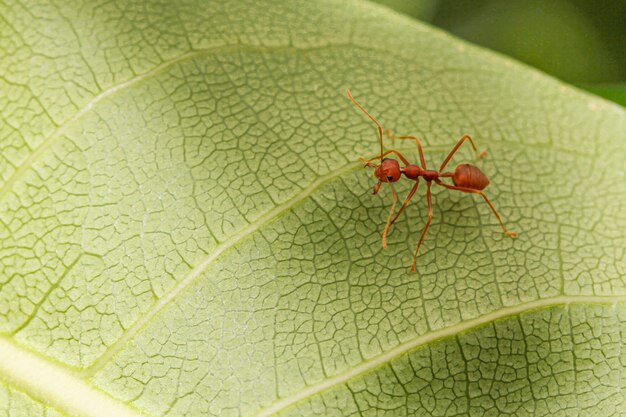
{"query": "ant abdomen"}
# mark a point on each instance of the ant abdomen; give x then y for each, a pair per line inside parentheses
(470, 176)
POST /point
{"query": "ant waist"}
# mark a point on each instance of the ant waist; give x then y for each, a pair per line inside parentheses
(414, 172)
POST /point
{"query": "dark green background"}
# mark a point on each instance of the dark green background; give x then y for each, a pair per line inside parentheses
(581, 42)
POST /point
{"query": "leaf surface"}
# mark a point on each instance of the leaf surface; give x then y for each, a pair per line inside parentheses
(185, 230)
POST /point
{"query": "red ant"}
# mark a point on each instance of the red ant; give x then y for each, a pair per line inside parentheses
(466, 177)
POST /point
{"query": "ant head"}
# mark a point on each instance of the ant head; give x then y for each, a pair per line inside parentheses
(387, 171)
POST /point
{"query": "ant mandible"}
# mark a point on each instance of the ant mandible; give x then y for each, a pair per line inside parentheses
(466, 177)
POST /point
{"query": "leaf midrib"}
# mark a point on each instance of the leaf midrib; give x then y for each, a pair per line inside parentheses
(70, 392)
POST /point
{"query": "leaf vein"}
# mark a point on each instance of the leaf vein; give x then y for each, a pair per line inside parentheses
(196, 272)
(48, 141)
(403, 348)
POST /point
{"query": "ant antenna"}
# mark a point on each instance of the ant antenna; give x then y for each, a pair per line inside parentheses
(380, 129)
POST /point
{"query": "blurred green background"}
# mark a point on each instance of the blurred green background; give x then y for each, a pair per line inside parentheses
(581, 42)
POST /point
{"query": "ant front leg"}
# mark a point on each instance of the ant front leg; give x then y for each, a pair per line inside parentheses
(393, 208)
(457, 146)
(406, 200)
(391, 136)
(493, 209)
(367, 162)
(404, 204)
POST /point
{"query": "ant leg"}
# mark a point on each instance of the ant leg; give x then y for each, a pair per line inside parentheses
(391, 136)
(367, 163)
(406, 202)
(380, 129)
(430, 217)
(493, 209)
(381, 156)
(393, 208)
(457, 146)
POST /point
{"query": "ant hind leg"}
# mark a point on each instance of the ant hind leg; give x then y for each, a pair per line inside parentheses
(493, 209)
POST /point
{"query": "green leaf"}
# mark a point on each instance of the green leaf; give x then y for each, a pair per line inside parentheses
(185, 230)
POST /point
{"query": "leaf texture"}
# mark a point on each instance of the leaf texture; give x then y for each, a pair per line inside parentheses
(185, 232)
